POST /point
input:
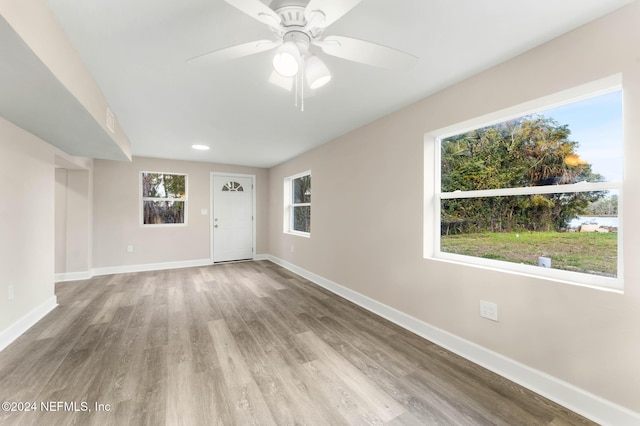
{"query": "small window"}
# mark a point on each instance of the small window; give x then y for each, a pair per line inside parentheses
(232, 187)
(538, 194)
(163, 198)
(298, 204)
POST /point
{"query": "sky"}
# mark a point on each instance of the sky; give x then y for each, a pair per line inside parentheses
(596, 123)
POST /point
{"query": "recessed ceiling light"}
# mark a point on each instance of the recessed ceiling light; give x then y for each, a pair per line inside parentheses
(200, 147)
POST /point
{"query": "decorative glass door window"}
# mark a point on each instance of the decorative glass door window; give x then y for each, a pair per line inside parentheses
(232, 187)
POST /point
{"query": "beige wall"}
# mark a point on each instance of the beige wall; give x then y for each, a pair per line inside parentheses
(60, 216)
(368, 207)
(79, 247)
(117, 207)
(73, 220)
(26, 223)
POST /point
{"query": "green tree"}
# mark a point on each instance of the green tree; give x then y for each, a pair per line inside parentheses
(163, 186)
(530, 151)
(302, 194)
(607, 206)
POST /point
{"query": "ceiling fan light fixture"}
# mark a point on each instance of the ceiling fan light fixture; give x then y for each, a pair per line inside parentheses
(286, 61)
(316, 72)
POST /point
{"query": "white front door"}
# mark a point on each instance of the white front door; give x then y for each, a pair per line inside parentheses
(232, 218)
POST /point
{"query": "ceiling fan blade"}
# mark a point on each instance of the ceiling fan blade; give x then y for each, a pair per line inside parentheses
(238, 51)
(257, 10)
(366, 52)
(332, 9)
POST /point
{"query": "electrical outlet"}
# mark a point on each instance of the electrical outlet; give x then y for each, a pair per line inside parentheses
(545, 262)
(129, 249)
(11, 292)
(489, 310)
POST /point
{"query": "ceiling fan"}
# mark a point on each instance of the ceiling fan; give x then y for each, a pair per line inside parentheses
(298, 25)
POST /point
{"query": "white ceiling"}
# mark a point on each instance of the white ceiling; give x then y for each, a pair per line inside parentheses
(136, 51)
(32, 97)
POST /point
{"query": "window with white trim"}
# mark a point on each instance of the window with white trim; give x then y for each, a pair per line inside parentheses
(163, 199)
(297, 191)
(538, 194)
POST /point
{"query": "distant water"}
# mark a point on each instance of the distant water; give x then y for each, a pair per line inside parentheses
(597, 220)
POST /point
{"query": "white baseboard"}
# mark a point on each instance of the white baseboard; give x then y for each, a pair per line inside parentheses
(576, 399)
(26, 322)
(108, 270)
(72, 276)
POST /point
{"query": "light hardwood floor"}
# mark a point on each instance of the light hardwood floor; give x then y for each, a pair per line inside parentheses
(243, 343)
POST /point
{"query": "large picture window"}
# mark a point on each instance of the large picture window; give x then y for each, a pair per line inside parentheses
(539, 193)
(298, 204)
(163, 198)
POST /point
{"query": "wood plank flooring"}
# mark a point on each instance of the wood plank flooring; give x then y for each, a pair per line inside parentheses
(243, 344)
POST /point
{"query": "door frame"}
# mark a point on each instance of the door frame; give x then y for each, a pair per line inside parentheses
(212, 201)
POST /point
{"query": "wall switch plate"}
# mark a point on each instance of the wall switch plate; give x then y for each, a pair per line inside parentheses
(489, 310)
(129, 249)
(11, 292)
(203, 212)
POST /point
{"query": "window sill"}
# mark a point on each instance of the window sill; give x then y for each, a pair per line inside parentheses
(299, 234)
(614, 285)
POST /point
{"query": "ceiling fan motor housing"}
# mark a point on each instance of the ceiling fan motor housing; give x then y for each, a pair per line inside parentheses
(300, 38)
(293, 18)
(279, 4)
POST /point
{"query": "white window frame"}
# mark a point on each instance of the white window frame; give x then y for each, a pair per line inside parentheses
(289, 205)
(433, 190)
(143, 199)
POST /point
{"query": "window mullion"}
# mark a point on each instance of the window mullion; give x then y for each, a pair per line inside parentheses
(528, 190)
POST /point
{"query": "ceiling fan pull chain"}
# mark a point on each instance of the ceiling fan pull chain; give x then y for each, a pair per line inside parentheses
(295, 101)
(302, 86)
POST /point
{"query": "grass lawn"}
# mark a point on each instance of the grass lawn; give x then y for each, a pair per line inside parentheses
(590, 252)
